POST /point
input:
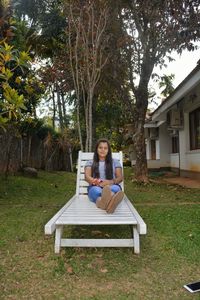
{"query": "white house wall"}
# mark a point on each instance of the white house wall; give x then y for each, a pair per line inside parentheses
(162, 150)
(174, 160)
(189, 159)
(186, 97)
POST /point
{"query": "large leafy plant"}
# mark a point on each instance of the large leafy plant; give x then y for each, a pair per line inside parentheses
(11, 96)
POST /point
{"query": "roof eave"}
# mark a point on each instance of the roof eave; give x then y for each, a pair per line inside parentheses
(184, 88)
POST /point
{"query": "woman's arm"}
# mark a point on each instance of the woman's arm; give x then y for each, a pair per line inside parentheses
(88, 175)
(118, 176)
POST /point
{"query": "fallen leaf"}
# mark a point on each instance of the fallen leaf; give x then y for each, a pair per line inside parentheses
(70, 270)
(103, 270)
(107, 235)
(99, 254)
(96, 232)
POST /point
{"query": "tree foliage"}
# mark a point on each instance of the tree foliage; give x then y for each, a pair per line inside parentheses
(110, 66)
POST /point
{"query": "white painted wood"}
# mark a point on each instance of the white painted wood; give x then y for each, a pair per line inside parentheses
(83, 183)
(82, 176)
(136, 239)
(59, 230)
(84, 212)
(51, 225)
(80, 211)
(97, 243)
(83, 190)
(142, 228)
(78, 173)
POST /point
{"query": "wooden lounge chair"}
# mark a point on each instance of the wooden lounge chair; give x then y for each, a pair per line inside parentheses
(79, 210)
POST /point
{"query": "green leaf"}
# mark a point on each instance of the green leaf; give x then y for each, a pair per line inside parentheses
(24, 57)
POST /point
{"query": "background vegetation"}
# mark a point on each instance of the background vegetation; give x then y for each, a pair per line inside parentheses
(92, 77)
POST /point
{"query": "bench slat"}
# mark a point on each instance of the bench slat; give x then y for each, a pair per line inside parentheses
(97, 243)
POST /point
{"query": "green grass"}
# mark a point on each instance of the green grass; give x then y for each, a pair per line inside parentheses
(29, 269)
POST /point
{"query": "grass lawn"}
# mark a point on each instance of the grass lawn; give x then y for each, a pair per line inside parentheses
(29, 269)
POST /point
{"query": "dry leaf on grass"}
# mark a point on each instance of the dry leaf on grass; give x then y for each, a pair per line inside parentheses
(70, 270)
(107, 235)
(103, 270)
(96, 232)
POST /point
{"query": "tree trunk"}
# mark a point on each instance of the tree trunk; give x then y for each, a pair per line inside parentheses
(90, 121)
(54, 109)
(70, 157)
(87, 124)
(141, 171)
(59, 108)
(29, 148)
(93, 119)
(78, 124)
(48, 166)
(21, 152)
(64, 109)
(8, 154)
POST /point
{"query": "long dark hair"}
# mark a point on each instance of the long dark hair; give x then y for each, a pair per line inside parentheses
(108, 161)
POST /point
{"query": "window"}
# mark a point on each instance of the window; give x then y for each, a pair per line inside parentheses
(175, 144)
(194, 119)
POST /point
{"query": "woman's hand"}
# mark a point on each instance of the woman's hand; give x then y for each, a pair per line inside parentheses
(96, 181)
(105, 182)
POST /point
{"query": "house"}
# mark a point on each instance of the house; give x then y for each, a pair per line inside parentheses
(173, 132)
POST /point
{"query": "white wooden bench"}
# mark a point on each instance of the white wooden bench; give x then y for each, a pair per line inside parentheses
(79, 210)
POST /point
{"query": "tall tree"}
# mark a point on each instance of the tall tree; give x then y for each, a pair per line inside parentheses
(86, 43)
(153, 29)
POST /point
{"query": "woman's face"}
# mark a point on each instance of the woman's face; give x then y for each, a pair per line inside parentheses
(102, 150)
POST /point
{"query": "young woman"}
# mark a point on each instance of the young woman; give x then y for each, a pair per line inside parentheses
(104, 175)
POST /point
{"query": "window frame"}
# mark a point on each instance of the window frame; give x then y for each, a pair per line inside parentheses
(175, 144)
(194, 124)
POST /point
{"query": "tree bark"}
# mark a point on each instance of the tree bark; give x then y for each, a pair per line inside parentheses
(54, 109)
(8, 155)
(29, 148)
(90, 120)
(59, 108)
(141, 171)
(79, 124)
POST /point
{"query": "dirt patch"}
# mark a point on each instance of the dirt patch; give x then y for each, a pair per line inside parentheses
(183, 181)
(170, 177)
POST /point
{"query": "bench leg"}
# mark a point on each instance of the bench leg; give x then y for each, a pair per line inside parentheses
(136, 238)
(58, 236)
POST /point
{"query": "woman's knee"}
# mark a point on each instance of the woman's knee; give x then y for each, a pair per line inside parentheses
(115, 188)
(94, 193)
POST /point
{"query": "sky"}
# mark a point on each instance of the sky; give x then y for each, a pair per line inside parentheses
(181, 67)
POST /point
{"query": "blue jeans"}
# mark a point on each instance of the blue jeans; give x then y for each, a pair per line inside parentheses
(95, 192)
